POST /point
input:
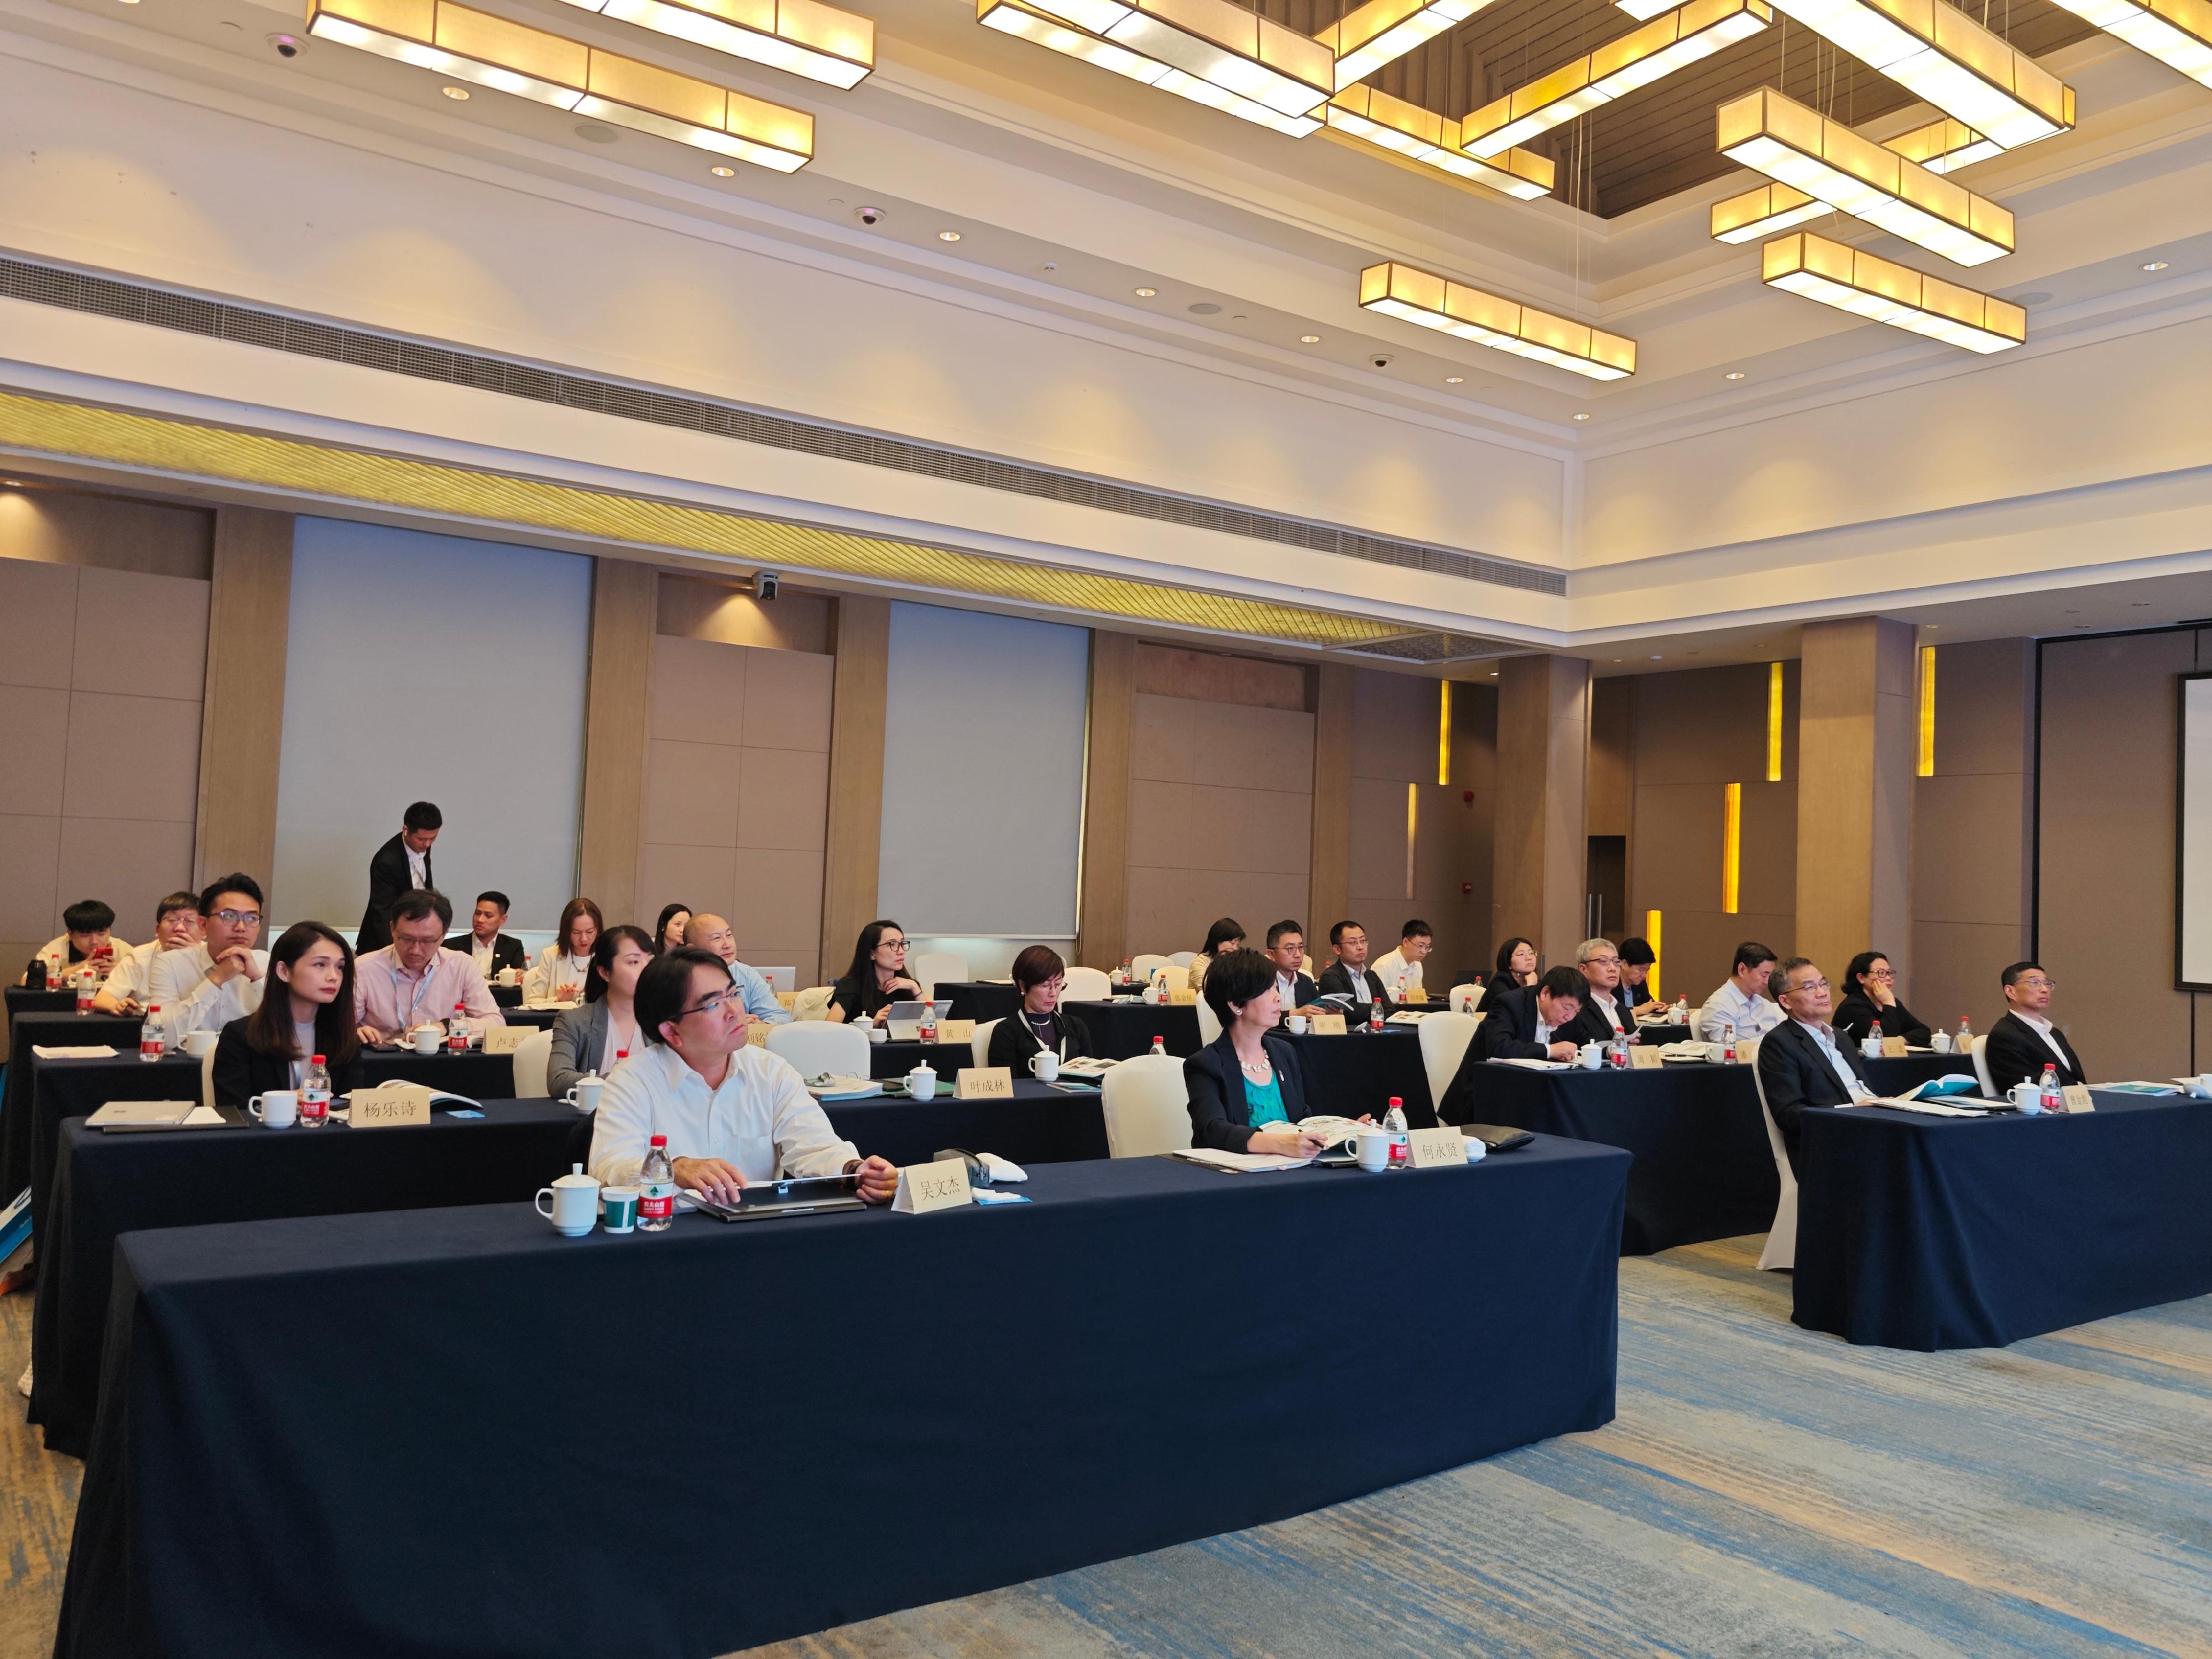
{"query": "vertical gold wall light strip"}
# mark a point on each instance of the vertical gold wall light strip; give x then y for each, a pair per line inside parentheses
(1731, 846)
(1926, 768)
(1774, 722)
(1443, 732)
(1413, 829)
(1651, 936)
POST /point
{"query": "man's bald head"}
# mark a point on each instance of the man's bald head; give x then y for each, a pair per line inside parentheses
(711, 932)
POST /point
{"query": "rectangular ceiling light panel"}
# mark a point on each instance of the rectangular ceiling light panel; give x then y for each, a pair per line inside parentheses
(490, 52)
(1800, 148)
(1422, 135)
(1367, 37)
(1859, 283)
(2178, 32)
(1940, 147)
(804, 36)
(1207, 50)
(1432, 301)
(1667, 43)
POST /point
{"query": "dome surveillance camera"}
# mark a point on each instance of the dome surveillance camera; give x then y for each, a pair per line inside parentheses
(870, 215)
(766, 583)
(1382, 359)
(286, 46)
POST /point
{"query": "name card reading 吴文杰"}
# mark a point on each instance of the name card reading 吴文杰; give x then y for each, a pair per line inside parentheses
(1436, 1149)
(955, 1030)
(1184, 998)
(1329, 1024)
(925, 1187)
(396, 1105)
(2076, 1097)
(1892, 1048)
(506, 1039)
(1644, 1057)
(983, 1083)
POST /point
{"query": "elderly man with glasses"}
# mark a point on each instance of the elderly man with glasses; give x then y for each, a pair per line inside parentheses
(1802, 1061)
(1607, 1012)
(734, 1114)
(2025, 1040)
(204, 987)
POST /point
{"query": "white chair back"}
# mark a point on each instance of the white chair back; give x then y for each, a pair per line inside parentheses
(931, 966)
(1147, 1111)
(1209, 1025)
(207, 1079)
(1183, 959)
(817, 1046)
(1169, 977)
(533, 1058)
(813, 1003)
(1444, 1039)
(1781, 1249)
(981, 1047)
(1142, 968)
(1087, 985)
(1982, 1068)
(1465, 999)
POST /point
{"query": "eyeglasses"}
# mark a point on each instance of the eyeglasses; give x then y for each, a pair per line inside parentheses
(2036, 981)
(1602, 962)
(1881, 973)
(237, 918)
(1808, 985)
(891, 945)
(716, 1003)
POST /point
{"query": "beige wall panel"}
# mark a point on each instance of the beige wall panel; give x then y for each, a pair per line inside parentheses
(131, 864)
(1766, 876)
(1676, 854)
(60, 527)
(145, 635)
(777, 909)
(704, 878)
(1854, 824)
(782, 796)
(37, 622)
(132, 757)
(36, 720)
(1395, 719)
(1108, 764)
(1378, 836)
(1164, 742)
(1164, 907)
(698, 691)
(1211, 676)
(852, 854)
(1248, 748)
(1984, 706)
(1704, 725)
(30, 850)
(690, 794)
(1956, 964)
(1328, 882)
(695, 610)
(1612, 804)
(241, 736)
(787, 698)
(1969, 858)
(1161, 833)
(1262, 831)
(1540, 854)
(618, 792)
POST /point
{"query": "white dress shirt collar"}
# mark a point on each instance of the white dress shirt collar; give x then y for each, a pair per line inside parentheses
(1825, 1035)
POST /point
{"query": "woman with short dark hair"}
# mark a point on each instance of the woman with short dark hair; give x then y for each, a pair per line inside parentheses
(1870, 998)
(1245, 1091)
(1040, 974)
(271, 1047)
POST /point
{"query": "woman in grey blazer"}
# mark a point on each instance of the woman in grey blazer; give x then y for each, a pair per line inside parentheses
(593, 1038)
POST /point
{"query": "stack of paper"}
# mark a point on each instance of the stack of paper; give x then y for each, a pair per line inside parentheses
(1086, 1067)
(91, 1051)
(829, 1087)
(1247, 1163)
(1536, 1064)
(1928, 1108)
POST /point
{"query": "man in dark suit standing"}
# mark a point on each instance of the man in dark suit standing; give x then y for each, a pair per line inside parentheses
(1526, 1023)
(402, 865)
(484, 944)
(1802, 1061)
(2025, 1040)
(1349, 979)
(1286, 949)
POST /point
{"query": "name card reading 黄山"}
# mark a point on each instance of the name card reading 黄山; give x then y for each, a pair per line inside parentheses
(925, 1187)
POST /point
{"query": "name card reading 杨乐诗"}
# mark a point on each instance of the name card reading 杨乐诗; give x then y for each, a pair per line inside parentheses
(955, 1030)
(1644, 1057)
(983, 1083)
(1329, 1024)
(1892, 1048)
(1184, 998)
(1436, 1149)
(506, 1039)
(397, 1105)
(925, 1187)
(2076, 1097)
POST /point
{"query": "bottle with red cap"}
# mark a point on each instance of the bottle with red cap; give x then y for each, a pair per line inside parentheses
(315, 1094)
(457, 1029)
(656, 1189)
(154, 1034)
(1401, 1144)
(1159, 1045)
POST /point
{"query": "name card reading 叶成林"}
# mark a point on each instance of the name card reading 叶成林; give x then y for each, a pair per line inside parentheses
(1644, 1057)
(955, 1030)
(396, 1105)
(1435, 1148)
(983, 1083)
(925, 1187)
(506, 1039)
(2076, 1097)
(1329, 1024)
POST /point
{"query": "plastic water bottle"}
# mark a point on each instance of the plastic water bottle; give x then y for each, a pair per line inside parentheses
(1395, 1119)
(1964, 1040)
(2054, 1097)
(1728, 1042)
(1374, 1015)
(315, 1094)
(929, 1024)
(1159, 1045)
(457, 1029)
(1616, 1053)
(154, 1035)
(1401, 1146)
(1681, 1014)
(85, 989)
(656, 1189)
(1872, 1046)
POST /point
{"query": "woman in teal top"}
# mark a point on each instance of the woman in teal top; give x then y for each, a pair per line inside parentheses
(1245, 1090)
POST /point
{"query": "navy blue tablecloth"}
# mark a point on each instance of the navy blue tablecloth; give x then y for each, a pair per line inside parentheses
(1360, 1070)
(451, 1431)
(32, 1029)
(1703, 1167)
(1121, 1030)
(1040, 1125)
(979, 1000)
(1925, 1232)
(896, 1060)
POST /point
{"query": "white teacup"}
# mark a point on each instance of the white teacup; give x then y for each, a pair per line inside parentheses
(879, 1034)
(200, 1044)
(1939, 1042)
(1044, 1066)
(921, 1084)
(575, 1203)
(2028, 1096)
(425, 1040)
(2203, 1085)
(1677, 1017)
(1371, 1146)
(1153, 994)
(277, 1109)
(508, 976)
(1299, 1024)
(584, 1093)
(1590, 1056)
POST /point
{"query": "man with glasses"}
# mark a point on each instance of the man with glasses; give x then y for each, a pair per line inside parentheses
(708, 932)
(415, 981)
(1802, 1062)
(2025, 1040)
(176, 925)
(1607, 1011)
(733, 1115)
(206, 986)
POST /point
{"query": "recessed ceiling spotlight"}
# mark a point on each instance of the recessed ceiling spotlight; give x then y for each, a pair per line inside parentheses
(723, 173)
(2155, 264)
(948, 236)
(1049, 264)
(1581, 415)
(1309, 339)
(1146, 292)
(596, 132)
(1455, 380)
(1734, 374)
(1620, 659)
(1204, 308)
(458, 95)
(1239, 317)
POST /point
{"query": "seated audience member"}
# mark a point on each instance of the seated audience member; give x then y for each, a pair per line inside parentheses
(1527, 1022)
(1870, 997)
(708, 932)
(204, 987)
(1348, 980)
(492, 951)
(1802, 1061)
(1517, 965)
(402, 865)
(2024, 1041)
(733, 1113)
(877, 977)
(312, 969)
(1286, 948)
(668, 932)
(1245, 1091)
(1400, 970)
(1607, 1011)
(176, 925)
(88, 937)
(1226, 934)
(564, 967)
(414, 980)
(593, 1038)
(1742, 1002)
(1637, 961)
(1041, 975)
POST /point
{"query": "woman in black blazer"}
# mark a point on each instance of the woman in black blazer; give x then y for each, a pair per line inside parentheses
(307, 1009)
(1246, 1093)
(1868, 998)
(1040, 975)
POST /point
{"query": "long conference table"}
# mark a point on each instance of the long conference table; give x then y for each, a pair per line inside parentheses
(450, 1431)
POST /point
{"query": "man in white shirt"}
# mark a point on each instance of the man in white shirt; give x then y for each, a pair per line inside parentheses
(1800, 1063)
(86, 937)
(1742, 1002)
(176, 927)
(2024, 1041)
(1400, 970)
(204, 987)
(711, 932)
(733, 1113)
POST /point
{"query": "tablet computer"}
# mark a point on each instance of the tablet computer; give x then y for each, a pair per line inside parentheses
(765, 1200)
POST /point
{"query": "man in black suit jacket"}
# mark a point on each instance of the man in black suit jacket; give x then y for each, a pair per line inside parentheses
(1798, 1058)
(1286, 949)
(391, 872)
(484, 923)
(1526, 1023)
(1349, 978)
(2025, 1040)
(1600, 965)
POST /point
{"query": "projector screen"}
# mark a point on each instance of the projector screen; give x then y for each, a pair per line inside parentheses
(2192, 837)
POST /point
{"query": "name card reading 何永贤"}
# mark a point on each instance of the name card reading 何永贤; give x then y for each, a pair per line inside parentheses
(395, 1106)
(506, 1039)
(1329, 1024)
(983, 1083)
(925, 1187)
(1435, 1148)
(1644, 1057)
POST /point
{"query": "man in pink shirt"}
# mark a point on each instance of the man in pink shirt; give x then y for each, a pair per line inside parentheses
(414, 980)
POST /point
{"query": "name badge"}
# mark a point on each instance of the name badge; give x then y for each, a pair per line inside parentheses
(925, 1187)
(955, 1030)
(1436, 1149)
(2076, 1097)
(1644, 1057)
(397, 1105)
(506, 1039)
(1892, 1048)
(1183, 999)
(1329, 1024)
(983, 1083)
